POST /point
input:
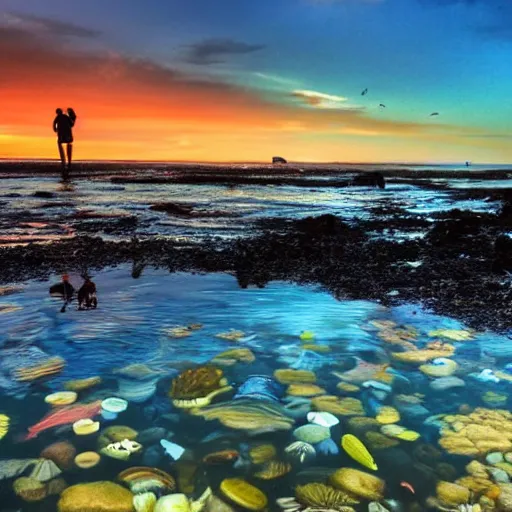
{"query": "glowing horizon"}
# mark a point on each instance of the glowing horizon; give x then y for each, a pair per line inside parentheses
(209, 95)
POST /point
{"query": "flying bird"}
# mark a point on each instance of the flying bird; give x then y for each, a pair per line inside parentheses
(434, 114)
(365, 92)
(382, 105)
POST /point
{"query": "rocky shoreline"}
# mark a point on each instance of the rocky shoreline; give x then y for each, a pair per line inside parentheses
(460, 268)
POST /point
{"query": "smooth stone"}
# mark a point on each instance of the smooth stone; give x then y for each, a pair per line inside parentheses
(499, 475)
(153, 456)
(445, 383)
(508, 457)
(494, 458)
(374, 384)
(413, 412)
(312, 434)
(153, 435)
(379, 394)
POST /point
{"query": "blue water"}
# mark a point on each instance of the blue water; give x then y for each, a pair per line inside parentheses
(131, 326)
(236, 209)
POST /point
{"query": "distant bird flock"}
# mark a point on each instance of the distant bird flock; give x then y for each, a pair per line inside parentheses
(381, 105)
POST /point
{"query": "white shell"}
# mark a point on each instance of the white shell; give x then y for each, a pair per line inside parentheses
(325, 419)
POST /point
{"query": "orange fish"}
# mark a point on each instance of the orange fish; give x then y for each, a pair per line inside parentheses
(65, 416)
(408, 486)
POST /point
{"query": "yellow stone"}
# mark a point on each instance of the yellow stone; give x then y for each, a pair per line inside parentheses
(358, 483)
(244, 494)
(288, 376)
(388, 415)
(304, 390)
(338, 406)
(96, 497)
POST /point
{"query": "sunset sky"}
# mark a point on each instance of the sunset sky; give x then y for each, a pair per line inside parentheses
(243, 80)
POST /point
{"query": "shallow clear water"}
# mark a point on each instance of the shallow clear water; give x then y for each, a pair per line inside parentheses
(78, 207)
(356, 342)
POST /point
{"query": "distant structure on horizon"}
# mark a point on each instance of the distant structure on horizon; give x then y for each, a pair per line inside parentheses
(278, 160)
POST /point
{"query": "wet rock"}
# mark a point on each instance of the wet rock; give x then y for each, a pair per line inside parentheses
(44, 194)
(278, 160)
(153, 456)
(153, 435)
(445, 383)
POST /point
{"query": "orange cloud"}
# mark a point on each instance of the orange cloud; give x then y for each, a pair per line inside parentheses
(137, 109)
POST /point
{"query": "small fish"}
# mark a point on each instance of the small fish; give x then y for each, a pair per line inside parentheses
(172, 449)
(408, 486)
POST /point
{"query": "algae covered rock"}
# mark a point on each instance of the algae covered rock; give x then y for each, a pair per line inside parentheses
(96, 497)
(243, 494)
(196, 382)
(358, 483)
(312, 434)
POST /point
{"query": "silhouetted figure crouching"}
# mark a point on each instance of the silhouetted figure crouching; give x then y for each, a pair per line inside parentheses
(87, 295)
(65, 290)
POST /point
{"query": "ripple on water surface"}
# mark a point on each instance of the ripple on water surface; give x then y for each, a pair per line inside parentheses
(421, 393)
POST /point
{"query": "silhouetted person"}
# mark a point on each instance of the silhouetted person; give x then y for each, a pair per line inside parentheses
(62, 126)
(87, 295)
(63, 289)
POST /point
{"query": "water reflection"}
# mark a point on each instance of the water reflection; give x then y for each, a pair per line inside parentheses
(273, 397)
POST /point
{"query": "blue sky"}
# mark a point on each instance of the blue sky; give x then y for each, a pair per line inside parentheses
(414, 56)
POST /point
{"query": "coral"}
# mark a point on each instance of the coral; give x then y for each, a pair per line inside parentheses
(96, 497)
(62, 453)
(452, 494)
(196, 382)
(358, 483)
(29, 489)
(478, 433)
(300, 451)
(262, 453)
(273, 469)
(289, 376)
(318, 495)
(338, 406)
(243, 494)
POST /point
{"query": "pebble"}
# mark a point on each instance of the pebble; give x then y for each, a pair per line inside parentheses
(153, 435)
(494, 458)
(508, 457)
(499, 475)
(445, 383)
